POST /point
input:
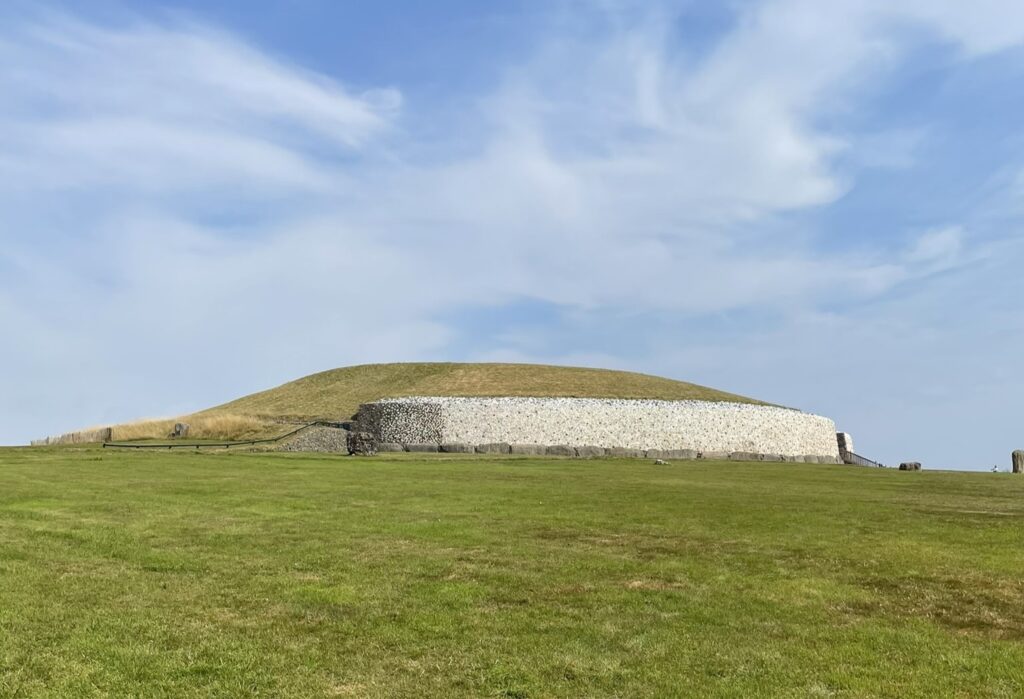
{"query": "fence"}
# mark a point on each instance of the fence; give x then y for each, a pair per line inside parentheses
(226, 445)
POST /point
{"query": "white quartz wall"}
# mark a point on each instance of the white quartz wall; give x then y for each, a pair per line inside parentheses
(633, 424)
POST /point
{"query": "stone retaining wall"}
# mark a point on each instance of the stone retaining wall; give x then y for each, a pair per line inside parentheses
(705, 429)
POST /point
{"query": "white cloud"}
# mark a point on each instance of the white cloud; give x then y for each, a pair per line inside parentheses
(191, 217)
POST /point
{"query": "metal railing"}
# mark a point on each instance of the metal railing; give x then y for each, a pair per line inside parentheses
(226, 445)
(856, 459)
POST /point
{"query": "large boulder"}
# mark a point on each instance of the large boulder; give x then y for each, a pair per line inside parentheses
(180, 430)
(528, 449)
(457, 448)
(589, 452)
(361, 444)
(1018, 461)
(845, 442)
(910, 466)
(493, 448)
(423, 448)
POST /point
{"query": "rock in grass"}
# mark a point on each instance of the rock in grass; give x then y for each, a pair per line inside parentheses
(910, 466)
(1018, 461)
(180, 430)
(660, 462)
(361, 444)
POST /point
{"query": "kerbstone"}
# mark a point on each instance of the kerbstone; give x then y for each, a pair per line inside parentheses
(390, 447)
(744, 456)
(560, 450)
(494, 448)
(714, 455)
(590, 452)
(528, 449)
(423, 448)
(623, 453)
(457, 448)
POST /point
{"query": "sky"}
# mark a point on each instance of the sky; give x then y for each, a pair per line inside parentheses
(816, 204)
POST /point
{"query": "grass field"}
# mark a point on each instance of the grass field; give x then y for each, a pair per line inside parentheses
(202, 575)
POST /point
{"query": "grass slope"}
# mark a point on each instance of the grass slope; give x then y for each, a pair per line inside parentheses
(211, 575)
(338, 393)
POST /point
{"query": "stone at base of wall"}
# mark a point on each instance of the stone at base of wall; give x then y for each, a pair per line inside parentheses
(528, 449)
(593, 452)
(425, 448)
(457, 448)
(682, 454)
(493, 448)
(744, 456)
(714, 455)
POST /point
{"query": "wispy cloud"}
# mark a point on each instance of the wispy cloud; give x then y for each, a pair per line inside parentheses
(186, 216)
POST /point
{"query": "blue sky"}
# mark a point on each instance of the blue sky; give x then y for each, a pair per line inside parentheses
(816, 204)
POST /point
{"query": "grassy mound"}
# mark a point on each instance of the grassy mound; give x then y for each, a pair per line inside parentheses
(337, 394)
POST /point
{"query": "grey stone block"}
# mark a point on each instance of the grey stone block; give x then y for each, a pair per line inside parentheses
(360, 443)
(744, 456)
(771, 457)
(560, 450)
(678, 454)
(390, 447)
(457, 448)
(589, 452)
(528, 449)
(714, 455)
(624, 453)
(683, 454)
(493, 448)
(1018, 461)
(844, 441)
(910, 466)
(425, 448)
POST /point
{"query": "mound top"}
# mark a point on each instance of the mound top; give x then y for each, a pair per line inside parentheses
(338, 393)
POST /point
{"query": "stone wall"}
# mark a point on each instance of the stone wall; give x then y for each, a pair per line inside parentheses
(703, 427)
(332, 440)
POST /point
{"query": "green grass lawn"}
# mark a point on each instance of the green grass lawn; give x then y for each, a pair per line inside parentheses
(221, 574)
